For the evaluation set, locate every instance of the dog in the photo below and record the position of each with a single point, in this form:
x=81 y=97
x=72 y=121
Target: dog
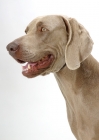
x=62 y=46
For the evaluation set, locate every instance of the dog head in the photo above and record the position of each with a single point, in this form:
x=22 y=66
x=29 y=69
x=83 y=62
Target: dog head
x=50 y=43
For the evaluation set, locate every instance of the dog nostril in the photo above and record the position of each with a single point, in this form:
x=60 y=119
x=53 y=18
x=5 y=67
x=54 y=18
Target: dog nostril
x=12 y=47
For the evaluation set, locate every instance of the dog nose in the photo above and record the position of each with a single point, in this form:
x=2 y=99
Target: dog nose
x=12 y=47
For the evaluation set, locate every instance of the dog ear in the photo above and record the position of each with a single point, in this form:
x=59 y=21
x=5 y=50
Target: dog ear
x=79 y=44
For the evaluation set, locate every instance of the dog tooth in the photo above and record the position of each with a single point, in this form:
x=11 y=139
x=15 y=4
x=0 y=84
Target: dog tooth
x=24 y=64
x=43 y=58
x=29 y=66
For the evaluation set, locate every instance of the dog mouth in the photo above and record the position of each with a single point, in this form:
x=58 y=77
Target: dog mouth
x=33 y=69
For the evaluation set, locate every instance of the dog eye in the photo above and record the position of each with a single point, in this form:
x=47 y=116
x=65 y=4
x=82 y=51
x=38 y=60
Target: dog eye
x=43 y=29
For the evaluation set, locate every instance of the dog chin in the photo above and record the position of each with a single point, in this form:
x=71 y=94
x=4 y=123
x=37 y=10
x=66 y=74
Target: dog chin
x=32 y=75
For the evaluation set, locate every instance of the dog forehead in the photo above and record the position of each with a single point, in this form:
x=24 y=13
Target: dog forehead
x=50 y=20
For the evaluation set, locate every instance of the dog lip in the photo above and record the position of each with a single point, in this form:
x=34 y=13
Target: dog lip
x=20 y=61
x=32 y=69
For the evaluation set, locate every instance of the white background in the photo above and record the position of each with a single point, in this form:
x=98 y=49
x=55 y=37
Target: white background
x=34 y=109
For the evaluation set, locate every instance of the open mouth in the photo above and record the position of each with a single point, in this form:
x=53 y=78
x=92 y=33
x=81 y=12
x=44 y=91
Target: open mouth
x=32 y=69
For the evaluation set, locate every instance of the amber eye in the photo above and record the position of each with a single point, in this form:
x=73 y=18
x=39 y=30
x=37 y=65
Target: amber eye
x=43 y=29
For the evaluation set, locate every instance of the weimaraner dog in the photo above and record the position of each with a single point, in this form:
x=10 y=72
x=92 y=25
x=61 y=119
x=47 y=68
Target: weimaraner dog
x=61 y=45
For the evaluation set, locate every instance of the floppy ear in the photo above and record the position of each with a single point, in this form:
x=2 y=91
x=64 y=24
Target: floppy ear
x=79 y=44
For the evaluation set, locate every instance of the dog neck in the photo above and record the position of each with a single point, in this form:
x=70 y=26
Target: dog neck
x=74 y=80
